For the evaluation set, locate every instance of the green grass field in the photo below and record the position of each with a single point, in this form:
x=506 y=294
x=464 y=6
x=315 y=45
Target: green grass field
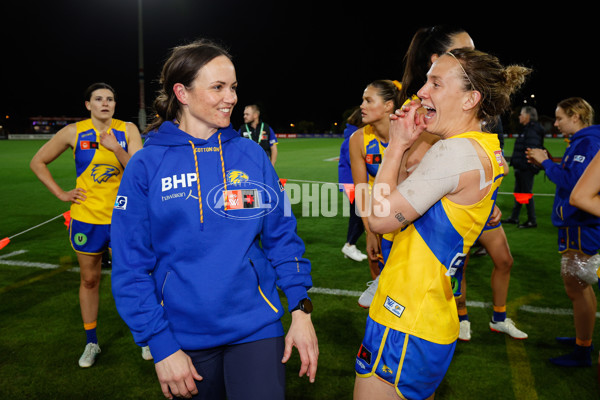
x=41 y=333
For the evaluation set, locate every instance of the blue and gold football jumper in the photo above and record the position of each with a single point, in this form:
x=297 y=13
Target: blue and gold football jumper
x=98 y=172
x=415 y=294
x=374 y=150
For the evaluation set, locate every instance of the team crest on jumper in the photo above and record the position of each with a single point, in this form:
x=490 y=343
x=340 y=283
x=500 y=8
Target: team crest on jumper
x=235 y=177
x=103 y=172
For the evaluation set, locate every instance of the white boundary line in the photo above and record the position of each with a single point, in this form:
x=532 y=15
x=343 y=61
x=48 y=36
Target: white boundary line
x=317 y=290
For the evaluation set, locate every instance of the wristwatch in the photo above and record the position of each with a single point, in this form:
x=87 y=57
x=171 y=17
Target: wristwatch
x=304 y=305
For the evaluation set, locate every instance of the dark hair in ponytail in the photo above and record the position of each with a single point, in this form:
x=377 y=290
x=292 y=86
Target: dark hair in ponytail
x=417 y=60
x=182 y=66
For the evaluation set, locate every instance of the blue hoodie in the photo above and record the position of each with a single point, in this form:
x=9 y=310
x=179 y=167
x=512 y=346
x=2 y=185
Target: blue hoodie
x=188 y=273
x=344 y=169
x=583 y=146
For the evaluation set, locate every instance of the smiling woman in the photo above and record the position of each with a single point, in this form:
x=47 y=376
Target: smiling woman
x=436 y=212
x=204 y=219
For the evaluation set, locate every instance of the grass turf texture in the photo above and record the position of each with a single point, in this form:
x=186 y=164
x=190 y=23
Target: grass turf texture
x=42 y=335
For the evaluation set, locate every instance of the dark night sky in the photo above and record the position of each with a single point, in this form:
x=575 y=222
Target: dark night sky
x=300 y=60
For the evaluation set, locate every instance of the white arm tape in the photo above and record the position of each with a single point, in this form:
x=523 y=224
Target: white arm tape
x=439 y=171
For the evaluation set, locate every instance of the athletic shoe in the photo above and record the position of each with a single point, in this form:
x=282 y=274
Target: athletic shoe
x=481 y=251
x=146 y=355
x=366 y=298
x=580 y=357
x=507 y=326
x=89 y=355
x=350 y=251
x=465 y=330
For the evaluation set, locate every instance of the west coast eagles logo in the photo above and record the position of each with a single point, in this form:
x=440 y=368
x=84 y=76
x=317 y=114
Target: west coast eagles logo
x=235 y=177
x=238 y=193
x=102 y=172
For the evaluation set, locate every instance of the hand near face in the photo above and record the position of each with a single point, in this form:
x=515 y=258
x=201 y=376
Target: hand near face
x=406 y=124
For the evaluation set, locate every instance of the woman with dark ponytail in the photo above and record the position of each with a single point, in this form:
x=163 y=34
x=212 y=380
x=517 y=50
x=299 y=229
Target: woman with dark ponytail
x=202 y=240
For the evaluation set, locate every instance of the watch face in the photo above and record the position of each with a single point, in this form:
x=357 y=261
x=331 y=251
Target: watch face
x=306 y=306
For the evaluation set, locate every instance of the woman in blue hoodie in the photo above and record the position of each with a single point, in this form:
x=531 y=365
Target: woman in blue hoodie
x=578 y=231
x=202 y=237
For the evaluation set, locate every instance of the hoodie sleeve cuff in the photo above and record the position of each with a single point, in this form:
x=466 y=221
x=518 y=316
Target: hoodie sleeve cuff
x=294 y=295
x=163 y=345
x=547 y=162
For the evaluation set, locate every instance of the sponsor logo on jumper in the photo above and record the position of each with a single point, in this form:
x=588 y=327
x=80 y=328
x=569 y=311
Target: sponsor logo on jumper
x=179 y=181
x=121 y=203
x=255 y=199
x=88 y=145
x=498 y=154
x=373 y=158
x=364 y=354
x=80 y=239
x=238 y=199
x=393 y=306
x=207 y=149
x=457 y=262
x=103 y=172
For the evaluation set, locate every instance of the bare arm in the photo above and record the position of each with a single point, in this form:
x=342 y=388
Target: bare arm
x=585 y=193
x=390 y=210
x=302 y=336
x=505 y=166
x=361 y=189
x=50 y=151
x=274 y=154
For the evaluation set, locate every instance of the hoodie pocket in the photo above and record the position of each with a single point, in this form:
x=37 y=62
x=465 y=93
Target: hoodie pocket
x=162 y=289
x=260 y=290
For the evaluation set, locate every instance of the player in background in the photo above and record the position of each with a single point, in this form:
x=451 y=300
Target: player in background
x=101 y=147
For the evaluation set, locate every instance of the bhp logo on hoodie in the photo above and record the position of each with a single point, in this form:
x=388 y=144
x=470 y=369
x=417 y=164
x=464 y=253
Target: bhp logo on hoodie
x=178 y=181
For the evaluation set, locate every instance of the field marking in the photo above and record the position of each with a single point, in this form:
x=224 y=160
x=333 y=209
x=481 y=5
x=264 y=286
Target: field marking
x=51 y=272
x=316 y=290
x=29 y=264
x=523 y=382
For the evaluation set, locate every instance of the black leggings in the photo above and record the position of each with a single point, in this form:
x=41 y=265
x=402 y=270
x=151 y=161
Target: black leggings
x=355 y=225
x=244 y=371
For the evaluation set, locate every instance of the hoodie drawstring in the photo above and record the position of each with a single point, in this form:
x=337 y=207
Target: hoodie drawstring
x=198 y=186
x=225 y=199
x=198 y=180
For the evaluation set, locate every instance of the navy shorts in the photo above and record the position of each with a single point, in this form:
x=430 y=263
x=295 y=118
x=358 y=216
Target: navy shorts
x=413 y=365
x=246 y=371
x=579 y=238
x=89 y=238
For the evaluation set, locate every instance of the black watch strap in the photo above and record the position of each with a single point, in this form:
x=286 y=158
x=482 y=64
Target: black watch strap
x=304 y=305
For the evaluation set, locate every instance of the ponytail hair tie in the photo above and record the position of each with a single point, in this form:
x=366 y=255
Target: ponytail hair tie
x=397 y=84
